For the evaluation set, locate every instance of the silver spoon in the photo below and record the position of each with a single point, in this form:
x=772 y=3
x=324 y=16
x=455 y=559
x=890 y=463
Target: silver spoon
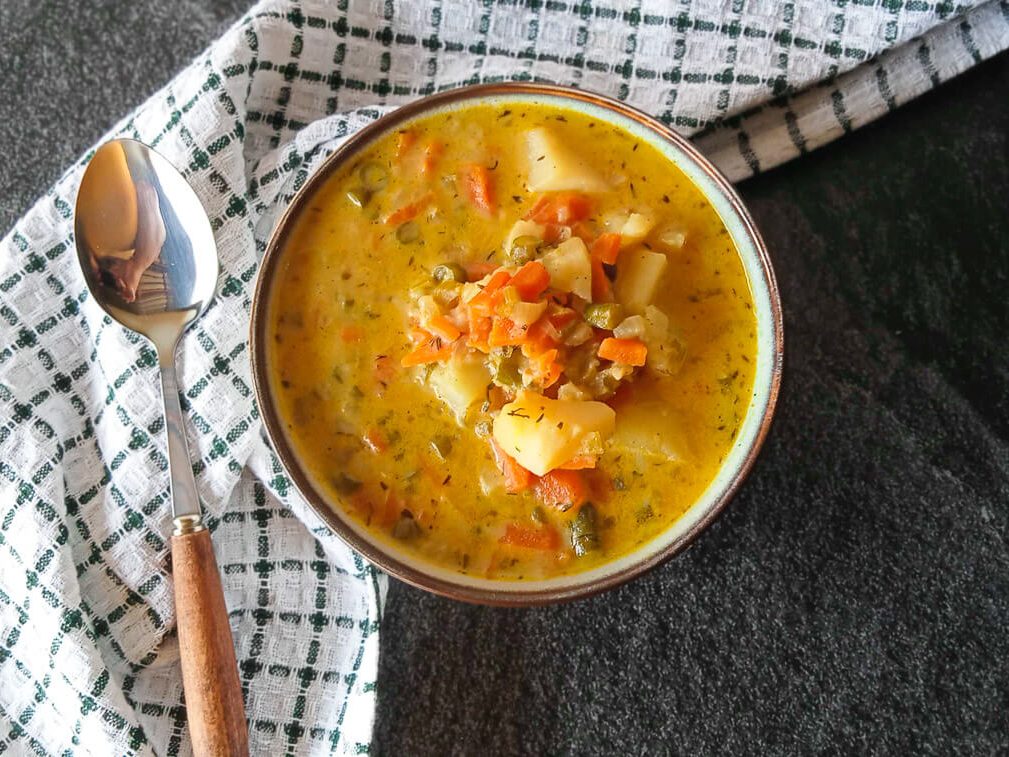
x=148 y=254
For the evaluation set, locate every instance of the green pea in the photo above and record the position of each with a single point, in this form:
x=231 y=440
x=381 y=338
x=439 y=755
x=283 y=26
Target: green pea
x=448 y=272
x=374 y=177
x=524 y=249
x=408 y=233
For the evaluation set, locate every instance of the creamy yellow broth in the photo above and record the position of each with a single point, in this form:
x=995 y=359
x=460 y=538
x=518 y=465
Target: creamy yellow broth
x=338 y=331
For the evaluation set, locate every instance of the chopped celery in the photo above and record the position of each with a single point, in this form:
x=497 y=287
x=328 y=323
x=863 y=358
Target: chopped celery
x=584 y=531
x=604 y=315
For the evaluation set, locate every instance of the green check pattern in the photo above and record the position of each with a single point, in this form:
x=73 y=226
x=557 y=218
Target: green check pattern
x=88 y=653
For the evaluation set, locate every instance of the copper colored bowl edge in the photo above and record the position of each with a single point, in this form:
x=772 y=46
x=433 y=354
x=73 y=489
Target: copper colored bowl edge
x=274 y=427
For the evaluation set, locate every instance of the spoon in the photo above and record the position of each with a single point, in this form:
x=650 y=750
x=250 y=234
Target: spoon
x=148 y=254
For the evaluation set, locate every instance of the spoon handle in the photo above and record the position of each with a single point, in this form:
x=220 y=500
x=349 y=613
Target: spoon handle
x=209 y=671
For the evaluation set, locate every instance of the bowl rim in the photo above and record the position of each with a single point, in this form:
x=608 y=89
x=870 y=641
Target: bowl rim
x=387 y=561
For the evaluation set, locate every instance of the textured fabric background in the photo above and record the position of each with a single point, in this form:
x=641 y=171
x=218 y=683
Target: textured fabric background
x=270 y=600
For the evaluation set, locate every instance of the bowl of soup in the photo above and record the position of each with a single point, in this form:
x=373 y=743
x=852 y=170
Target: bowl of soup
x=516 y=343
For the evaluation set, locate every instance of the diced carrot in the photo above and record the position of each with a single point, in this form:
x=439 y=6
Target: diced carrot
x=429 y=349
x=404 y=141
x=417 y=334
x=545 y=367
x=409 y=211
x=497 y=397
x=480 y=187
x=552 y=233
x=562 y=317
x=601 y=290
x=623 y=351
x=479 y=331
x=562 y=489
x=580 y=462
x=531 y=280
x=391 y=509
x=351 y=334
x=607 y=248
x=384 y=369
x=432 y=152
x=561 y=208
x=545 y=539
x=504 y=333
x=584 y=232
x=552 y=374
x=483 y=303
x=442 y=327
x=538 y=339
x=493 y=563
x=375 y=440
x=476 y=271
x=517 y=478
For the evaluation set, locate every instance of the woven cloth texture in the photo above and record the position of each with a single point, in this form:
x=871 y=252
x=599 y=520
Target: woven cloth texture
x=88 y=654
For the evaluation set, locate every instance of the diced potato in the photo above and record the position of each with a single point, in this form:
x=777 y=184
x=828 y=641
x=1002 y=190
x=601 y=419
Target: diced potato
x=666 y=350
x=541 y=433
x=523 y=229
x=638 y=275
x=460 y=384
x=555 y=167
x=651 y=430
x=657 y=322
x=635 y=228
x=570 y=268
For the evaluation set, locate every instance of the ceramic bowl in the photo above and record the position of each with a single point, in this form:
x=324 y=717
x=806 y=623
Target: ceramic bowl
x=738 y=462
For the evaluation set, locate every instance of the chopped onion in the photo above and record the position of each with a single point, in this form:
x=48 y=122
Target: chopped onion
x=527 y=313
x=579 y=334
x=673 y=237
x=571 y=391
x=631 y=328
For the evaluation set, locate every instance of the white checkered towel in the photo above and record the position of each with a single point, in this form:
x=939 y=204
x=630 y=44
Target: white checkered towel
x=88 y=654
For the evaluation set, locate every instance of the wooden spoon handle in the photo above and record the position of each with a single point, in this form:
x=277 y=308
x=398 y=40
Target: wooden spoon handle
x=209 y=671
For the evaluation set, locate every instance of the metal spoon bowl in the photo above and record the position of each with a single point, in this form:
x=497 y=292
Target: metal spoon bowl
x=148 y=255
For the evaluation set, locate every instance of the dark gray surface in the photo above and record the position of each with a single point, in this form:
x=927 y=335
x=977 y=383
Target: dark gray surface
x=855 y=596
x=70 y=70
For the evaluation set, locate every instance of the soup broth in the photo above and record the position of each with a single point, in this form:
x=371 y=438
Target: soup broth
x=511 y=340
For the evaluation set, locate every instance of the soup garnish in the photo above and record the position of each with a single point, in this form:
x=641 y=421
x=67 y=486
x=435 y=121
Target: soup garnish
x=512 y=340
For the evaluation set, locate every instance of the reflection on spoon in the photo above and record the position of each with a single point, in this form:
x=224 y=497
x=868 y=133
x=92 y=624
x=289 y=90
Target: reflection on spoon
x=124 y=274
x=135 y=233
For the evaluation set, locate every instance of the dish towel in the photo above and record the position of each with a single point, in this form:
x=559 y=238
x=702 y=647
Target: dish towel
x=88 y=653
